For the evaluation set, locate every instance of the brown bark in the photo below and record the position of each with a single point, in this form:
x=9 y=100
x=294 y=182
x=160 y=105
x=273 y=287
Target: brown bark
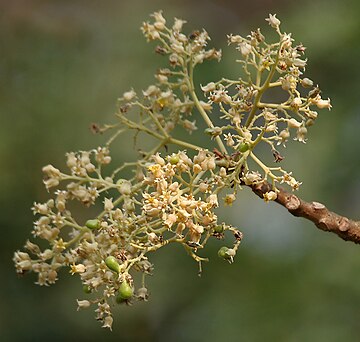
x=316 y=212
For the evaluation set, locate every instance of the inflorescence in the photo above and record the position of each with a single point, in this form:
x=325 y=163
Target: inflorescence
x=172 y=198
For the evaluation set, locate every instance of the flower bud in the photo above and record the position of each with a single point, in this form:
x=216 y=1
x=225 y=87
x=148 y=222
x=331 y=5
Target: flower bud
x=124 y=186
x=307 y=83
x=211 y=164
x=209 y=87
x=158 y=160
x=83 y=304
x=197 y=168
x=296 y=102
x=300 y=63
x=245 y=48
x=203 y=187
x=129 y=95
x=108 y=204
x=292 y=123
x=222 y=172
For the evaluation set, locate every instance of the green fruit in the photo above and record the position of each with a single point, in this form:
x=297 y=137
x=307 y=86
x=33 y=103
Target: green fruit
x=222 y=252
x=125 y=292
x=112 y=264
x=93 y=224
x=86 y=289
x=243 y=147
x=219 y=229
x=174 y=159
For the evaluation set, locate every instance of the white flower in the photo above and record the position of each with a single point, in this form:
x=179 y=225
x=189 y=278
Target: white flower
x=213 y=200
x=296 y=102
x=300 y=63
x=79 y=268
x=71 y=160
x=178 y=48
x=307 y=83
x=159 y=20
x=321 y=103
x=273 y=21
x=234 y=39
x=245 y=48
x=284 y=135
x=170 y=219
x=178 y=24
x=124 y=186
x=51 y=171
x=270 y=196
x=301 y=134
x=229 y=199
x=108 y=204
x=252 y=177
x=151 y=91
x=229 y=139
x=190 y=126
x=158 y=160
x=129 y=95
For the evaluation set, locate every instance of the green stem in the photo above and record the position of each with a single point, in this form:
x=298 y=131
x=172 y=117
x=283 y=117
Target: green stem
x=184 y=144
x=190 y=83
x=78 y=237
x=158 y=124
x=262 y=90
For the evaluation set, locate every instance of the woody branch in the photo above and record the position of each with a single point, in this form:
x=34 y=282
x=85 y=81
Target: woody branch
x=318 y=213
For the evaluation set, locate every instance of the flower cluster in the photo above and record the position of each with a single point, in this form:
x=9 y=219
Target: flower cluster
x=172 y=198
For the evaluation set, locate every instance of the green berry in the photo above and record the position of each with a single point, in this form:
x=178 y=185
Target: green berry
x=174 y=159
x=243 y=147
x=86 y=289
x=112 y=264
x=93 y=224
x=219 y=229
x=125 y=292
x=222 y=252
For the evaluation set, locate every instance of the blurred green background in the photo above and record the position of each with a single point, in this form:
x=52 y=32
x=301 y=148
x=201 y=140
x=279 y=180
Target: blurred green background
x=63 y=64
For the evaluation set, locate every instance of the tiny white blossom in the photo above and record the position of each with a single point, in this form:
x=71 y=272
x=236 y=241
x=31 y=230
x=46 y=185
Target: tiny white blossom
x=178 y=24
x=270 y=196
x=108 y=204
x=273 y=21
x=129 y=95
x=82 y=304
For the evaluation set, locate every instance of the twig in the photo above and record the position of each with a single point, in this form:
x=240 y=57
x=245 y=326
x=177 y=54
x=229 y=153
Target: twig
x=322 y=217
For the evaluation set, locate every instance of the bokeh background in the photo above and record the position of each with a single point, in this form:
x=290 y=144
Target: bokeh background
x=63 y=64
